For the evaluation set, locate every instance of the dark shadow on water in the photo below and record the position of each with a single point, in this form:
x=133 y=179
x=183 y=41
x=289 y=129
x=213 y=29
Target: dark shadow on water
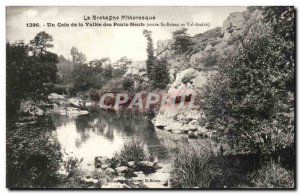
x=113 y=127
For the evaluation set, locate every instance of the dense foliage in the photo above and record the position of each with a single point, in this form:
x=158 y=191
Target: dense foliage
x=251 y=101
x=182 y=41
x=31 y=71
x=157 y=70
x=33 y=155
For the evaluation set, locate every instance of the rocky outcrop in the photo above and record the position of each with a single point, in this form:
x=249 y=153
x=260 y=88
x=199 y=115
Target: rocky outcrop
x=184 y=121
x=233 y=25
x=29 y=107
x=54 y=96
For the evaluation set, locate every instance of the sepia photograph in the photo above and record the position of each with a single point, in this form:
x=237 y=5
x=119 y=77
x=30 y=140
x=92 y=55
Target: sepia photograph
x=150 y=97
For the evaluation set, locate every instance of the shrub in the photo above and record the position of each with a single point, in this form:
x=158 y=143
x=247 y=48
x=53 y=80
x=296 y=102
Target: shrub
x=132 y=150
x=33 y=155
x=211 y=60
x=272 y=175
x=128 y=84
x=191 y=168
x=251 y=101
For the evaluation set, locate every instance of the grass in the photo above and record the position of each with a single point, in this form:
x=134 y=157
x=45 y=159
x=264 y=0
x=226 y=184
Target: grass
x=191 y=168
x=132 y=150
x=272 y=175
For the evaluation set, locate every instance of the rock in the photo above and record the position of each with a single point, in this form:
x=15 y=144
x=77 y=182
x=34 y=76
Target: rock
x=138 y=172
x=101 y=159
x=175 y=126
x=90 y=180
x=146 y=166
x=72 y=111
x=130 y=163
x=233 y=25
x=54 y=96
x=166 y=183
x=121 y=169
x=110 y=170
x=192 y=134
x=161 y=121
x=193 y=125
x=104 y=166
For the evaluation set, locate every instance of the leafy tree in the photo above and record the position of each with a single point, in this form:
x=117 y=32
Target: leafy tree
x=156 y=68
x=150 y=52
x=182 y=40
x=29 y=77
x=78 y=57
x=160 y=74
x=87 y=75
x=41 y=42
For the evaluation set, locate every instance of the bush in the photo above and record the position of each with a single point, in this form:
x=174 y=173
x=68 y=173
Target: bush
x=211 y=60
x=272 y=176
x=128 y=84
x=191 y=168
x=133 y=150
x=251 y=101
x=33 y=155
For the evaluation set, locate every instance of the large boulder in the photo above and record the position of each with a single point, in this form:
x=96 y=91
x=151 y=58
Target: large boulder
x=233 y=25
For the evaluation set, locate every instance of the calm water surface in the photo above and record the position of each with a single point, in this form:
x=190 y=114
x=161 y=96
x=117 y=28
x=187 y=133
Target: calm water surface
x=103 y=134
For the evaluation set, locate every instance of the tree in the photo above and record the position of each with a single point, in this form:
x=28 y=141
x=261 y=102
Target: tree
x=160 y=74
x=150 y=52
x=29 y=77
x=41 y=42
x=156 y=68
x=78 y=58
x=182 y=40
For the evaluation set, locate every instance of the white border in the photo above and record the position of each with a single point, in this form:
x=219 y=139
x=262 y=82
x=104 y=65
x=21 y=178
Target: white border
x=4 y=3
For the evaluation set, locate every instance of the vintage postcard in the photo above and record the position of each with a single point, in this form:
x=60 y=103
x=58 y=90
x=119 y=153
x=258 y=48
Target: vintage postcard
x=162 y=97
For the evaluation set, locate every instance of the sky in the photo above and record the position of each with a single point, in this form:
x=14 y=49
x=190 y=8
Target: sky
x=112 y=42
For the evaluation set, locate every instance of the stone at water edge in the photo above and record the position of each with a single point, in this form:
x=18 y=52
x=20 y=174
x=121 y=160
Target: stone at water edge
x=146 y=167
x=130 y=163
x=104 y=166
x=145 y=164
x=121 y=169
x=138 y=172
x=166 y=183
x=110 y=170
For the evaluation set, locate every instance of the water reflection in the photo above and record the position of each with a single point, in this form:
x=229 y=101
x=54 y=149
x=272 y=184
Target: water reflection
x=103 y=133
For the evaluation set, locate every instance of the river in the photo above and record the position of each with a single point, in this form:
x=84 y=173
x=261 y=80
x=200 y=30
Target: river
x=103 y=134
